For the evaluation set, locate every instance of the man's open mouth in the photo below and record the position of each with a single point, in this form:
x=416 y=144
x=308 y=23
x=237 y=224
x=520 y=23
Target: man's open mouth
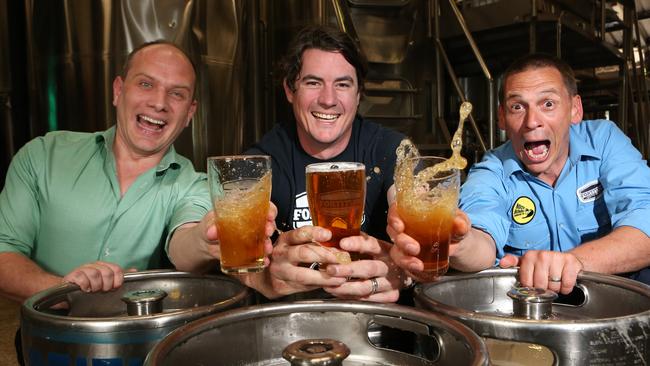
x=149 y=123
x=325 y=116
x=537 y=150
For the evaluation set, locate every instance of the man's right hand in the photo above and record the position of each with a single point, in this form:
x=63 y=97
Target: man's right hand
x=97 y=276
x=405 y=250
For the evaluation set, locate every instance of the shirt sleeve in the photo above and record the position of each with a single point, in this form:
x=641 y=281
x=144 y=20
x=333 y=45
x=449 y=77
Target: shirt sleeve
x=625 y=177
x=484 y=198
x=19 y=208
x=191 y=206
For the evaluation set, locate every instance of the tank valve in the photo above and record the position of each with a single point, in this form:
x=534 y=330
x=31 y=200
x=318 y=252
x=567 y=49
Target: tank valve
x=144 y=302
x=316 y=352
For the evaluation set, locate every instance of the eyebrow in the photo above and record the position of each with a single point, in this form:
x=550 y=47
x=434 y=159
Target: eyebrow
x=341 y=78
x=176 y=86
x=545 y=91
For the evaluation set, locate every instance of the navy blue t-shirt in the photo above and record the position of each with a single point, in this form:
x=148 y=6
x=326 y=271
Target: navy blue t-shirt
x=370 y=144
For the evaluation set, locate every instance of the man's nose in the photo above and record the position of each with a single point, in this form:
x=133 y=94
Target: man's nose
x=327 y=96
x=532 y=120
x=158 y=99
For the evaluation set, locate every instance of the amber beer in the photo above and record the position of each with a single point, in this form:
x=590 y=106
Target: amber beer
x=426 y=202
x=240 y=187
x=336 y=193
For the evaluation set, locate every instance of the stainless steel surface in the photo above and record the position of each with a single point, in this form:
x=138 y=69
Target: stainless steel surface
x=607 y=321
x=363 y=327
x=96 y=328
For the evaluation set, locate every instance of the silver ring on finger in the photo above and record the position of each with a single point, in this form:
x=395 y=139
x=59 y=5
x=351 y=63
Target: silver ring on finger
x=375 y=286
x=554 y=279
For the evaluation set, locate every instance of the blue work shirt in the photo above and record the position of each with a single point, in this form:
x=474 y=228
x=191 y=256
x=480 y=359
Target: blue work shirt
x=604 y=184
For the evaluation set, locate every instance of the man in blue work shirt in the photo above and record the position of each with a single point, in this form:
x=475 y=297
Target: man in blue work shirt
x=561 y=196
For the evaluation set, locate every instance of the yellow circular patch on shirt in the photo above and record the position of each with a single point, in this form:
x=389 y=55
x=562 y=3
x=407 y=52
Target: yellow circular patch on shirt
x=523 y=210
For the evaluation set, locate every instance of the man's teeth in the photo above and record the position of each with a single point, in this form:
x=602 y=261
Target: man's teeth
x=151 y=120
x=325 y=115
x=538 y=151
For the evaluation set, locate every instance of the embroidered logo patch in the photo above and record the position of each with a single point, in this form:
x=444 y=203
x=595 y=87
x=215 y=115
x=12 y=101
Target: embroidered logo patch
x=590 y=192
x=523 y=210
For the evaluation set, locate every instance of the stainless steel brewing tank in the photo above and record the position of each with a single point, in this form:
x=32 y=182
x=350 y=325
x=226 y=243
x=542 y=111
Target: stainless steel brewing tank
x=604 y=321
x=259 y=335
x=96 y=328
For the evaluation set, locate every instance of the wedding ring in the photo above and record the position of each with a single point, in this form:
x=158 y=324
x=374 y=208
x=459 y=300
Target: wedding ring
x=375 y=286
x=555 y=279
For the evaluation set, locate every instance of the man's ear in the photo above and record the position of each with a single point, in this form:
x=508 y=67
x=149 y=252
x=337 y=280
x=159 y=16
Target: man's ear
x=117 y=89
x=576 y=109
x=191 y=112
x=287 y=91
x=501 y=120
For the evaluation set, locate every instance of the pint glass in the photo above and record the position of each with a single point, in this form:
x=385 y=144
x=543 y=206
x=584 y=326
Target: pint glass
x=240 y=187
x=426 y=202
x=336 y=193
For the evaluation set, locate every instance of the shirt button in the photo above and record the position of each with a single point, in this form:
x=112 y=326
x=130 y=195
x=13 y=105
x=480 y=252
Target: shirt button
x=562 y=225
x=107 y=252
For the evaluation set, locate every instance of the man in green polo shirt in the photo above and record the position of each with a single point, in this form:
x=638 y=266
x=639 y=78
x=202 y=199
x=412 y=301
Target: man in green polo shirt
x=85 y=207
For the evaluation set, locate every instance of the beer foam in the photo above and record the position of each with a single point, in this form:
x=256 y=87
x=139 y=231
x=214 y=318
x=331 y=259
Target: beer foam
x=333 y=167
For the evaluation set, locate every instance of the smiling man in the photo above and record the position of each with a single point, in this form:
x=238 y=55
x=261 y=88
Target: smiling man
x=561 y=196
x=323 y=80
x=85 y=207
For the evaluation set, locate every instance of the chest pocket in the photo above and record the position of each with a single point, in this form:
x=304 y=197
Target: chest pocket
x=533 y=235
x=592 y=220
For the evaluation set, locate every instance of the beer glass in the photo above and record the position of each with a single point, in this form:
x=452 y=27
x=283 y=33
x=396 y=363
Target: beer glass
x=427 y=198
x=240 y=187
x=336 y=193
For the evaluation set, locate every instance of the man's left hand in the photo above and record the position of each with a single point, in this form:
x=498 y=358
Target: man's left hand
x=556 y=271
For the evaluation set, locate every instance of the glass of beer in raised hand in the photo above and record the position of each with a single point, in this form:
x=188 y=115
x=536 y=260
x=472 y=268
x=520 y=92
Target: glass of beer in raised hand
x=427 y=198
x=336 y=193
x=240 y=187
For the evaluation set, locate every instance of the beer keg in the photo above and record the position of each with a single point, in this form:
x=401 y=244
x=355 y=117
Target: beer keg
x=326 y=332
x=121 y=326
x=604 y=321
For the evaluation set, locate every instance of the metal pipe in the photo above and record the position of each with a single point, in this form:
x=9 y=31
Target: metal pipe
x=470 y=39
x=342 y=14
x=558 y=35
x=602 y=20
x=460 y=92
x=642 y=93
x=532 y=28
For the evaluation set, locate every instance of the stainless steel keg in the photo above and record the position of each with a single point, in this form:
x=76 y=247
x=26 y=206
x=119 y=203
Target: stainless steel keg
x=121 y=326
x=328 y=332
x=604 y=321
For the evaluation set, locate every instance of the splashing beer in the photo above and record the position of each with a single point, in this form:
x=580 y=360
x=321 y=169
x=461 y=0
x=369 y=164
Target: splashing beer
x=337 y=193
x=427 y=197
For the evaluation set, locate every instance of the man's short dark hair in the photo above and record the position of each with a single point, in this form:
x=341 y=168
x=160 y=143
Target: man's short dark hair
x=127 y=63
x=323 y=38
x=539 y=60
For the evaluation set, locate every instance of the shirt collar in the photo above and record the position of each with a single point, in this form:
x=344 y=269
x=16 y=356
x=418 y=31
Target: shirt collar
x=578 y=148
x=170 y=159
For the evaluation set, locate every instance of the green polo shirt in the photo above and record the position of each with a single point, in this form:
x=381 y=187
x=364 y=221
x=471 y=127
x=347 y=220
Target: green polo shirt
x=61 y=204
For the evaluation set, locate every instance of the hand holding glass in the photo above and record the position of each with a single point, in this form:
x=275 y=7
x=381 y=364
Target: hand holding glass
x=240 y=187
x=427 y=199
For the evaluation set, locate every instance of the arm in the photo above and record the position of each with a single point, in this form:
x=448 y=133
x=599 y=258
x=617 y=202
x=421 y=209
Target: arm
x=194 y=247
x=625 y=249
x=22 y=278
